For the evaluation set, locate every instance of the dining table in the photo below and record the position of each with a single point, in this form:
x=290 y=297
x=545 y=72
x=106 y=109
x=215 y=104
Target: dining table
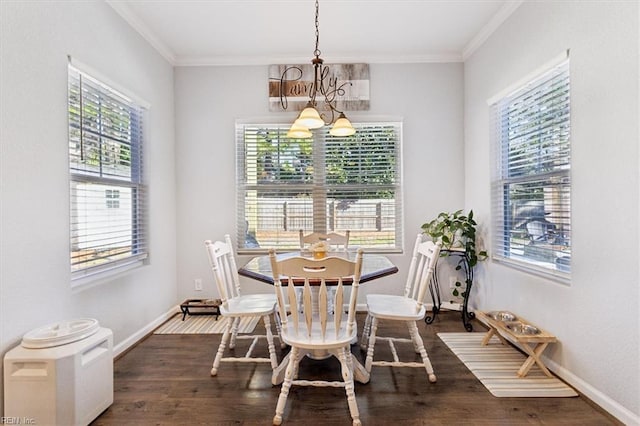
x=374 y=266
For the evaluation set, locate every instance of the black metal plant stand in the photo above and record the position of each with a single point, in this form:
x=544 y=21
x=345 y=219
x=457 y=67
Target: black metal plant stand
x=434 y=289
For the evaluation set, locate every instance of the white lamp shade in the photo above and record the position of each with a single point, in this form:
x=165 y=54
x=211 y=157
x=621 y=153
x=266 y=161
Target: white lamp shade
x=298 y=131
x=310 y=118
x=342 y=127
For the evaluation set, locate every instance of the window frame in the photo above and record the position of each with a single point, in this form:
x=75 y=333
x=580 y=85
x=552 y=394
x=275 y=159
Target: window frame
x=319 y=148
x=512 y=174
x=122 y=187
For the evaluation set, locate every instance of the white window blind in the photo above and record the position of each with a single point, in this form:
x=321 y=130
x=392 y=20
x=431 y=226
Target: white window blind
x=531 y=182
x=322 y=184
x=108 y=215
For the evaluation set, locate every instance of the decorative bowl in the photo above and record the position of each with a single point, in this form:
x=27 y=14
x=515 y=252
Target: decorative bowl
x=520 y=328
x=502 y=316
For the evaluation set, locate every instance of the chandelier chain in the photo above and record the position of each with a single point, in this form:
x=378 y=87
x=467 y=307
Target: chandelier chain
x=316 y=52
x=329 y=88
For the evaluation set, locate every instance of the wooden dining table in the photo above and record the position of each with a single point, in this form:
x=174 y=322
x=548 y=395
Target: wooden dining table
x=374 y=266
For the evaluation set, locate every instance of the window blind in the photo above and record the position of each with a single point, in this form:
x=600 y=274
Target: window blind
x=322 y=184
x=531 y=181
x=107 y=194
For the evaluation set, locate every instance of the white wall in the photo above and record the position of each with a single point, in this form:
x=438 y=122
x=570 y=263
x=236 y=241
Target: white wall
x=36 y=38
x=596 y=317
x=428 y=97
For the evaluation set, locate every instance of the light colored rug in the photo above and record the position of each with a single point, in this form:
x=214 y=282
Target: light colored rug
x=202 y=324
x=496 y=365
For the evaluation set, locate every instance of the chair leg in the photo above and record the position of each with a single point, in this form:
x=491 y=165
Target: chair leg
x=272 y=348
x=300 y=355
x=372 y=344
x=286 y=385
x=365 y=333
x=222 y=345
x=419 y=344
x=276 y=319
x=234 y=332
x=344 y=355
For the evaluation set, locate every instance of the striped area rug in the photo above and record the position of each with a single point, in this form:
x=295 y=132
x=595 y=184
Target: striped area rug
x=202 y=324
x=496 y=365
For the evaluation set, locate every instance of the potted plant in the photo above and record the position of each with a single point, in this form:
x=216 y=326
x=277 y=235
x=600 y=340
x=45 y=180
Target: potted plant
x=457 y=232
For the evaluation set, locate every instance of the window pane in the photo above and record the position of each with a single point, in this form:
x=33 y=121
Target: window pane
x=531 y=189
x=536 y=222
x=102 y=227
x=107 y=195
x=323 y=184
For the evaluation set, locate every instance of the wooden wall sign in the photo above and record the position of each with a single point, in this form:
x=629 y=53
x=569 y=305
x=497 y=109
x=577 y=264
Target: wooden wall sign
x=348 y=84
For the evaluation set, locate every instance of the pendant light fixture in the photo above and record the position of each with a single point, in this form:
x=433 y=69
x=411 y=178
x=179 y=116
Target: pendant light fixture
x=326 y=93
x=299 y=131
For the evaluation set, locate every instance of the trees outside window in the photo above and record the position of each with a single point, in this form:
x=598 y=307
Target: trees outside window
x=322 y=184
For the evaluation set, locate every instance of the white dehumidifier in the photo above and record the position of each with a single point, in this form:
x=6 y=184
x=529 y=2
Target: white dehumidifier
x=61 y=374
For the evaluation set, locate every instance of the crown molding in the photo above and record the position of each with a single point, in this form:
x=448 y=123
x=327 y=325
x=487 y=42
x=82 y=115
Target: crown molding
x=132 y=19
x=505 y=11
x=191 y=61
x=197 y=61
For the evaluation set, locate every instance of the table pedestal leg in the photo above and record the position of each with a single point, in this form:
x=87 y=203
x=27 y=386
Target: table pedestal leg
x=277 y=377
x=360 y=373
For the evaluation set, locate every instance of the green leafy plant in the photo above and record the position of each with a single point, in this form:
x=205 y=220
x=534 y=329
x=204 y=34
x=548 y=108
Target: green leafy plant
x=457 y=232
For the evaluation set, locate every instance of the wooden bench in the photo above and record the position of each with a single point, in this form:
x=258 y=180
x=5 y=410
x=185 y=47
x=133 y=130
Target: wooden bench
x=532 y=339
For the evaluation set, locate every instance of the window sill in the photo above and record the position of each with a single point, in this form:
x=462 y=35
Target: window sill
x=85 y=280
x=553 y=275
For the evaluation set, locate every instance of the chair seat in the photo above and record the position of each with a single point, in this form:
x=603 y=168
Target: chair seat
x=249 y=305
x=394 y=307
x=301 y=339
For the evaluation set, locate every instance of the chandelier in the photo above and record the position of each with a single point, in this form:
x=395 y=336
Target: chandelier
x=323 y=90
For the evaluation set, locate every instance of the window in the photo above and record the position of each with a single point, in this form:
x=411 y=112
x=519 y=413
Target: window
x=105 y=163
x=113 y=198
x=531 y=182
x=322 y=184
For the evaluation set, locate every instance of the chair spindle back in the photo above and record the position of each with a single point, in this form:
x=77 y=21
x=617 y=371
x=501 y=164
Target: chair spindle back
x=421 y=269
x=224 y=268
x=333 y=239
x=316 y=317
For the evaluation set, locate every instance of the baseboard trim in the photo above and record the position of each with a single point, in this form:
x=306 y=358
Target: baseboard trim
x=603 y=401
x=129 y=342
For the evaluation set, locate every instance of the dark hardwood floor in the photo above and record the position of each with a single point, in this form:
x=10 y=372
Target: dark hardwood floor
x=164 y=380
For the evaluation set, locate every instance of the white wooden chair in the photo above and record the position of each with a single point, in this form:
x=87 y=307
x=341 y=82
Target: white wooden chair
x=317 y=330
x=236 y=306
x=408 y=308
x=335 y=240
